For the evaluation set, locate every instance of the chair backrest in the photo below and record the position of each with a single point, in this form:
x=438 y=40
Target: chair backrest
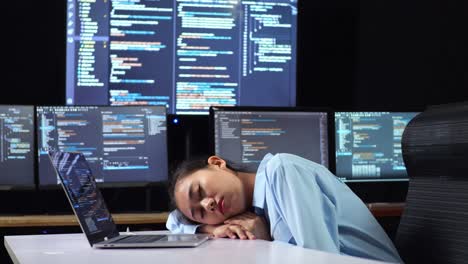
x=434 y=224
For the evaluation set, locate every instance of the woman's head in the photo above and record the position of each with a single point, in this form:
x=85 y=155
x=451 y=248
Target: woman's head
x=210 y=190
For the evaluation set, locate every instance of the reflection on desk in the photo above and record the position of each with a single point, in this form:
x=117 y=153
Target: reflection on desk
x=74 y=248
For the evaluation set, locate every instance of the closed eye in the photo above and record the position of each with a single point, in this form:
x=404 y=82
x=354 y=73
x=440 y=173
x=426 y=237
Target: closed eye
x=202 y=214
x=200 y=193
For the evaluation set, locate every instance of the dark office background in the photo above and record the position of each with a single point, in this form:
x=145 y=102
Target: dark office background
x=353 y=55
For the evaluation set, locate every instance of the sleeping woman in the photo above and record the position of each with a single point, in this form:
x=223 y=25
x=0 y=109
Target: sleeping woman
x=288 y=199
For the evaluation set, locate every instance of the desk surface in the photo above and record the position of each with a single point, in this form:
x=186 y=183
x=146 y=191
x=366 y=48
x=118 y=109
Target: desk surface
x=74 y=248
x=377 y=209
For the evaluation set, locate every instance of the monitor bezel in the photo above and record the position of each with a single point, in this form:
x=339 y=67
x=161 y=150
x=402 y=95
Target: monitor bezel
x=33 y=185
x=129 y=184
x=327 y=110
x=368 y=110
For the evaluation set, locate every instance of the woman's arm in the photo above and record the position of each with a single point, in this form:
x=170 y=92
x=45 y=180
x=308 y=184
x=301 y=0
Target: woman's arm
x=177 y=223
x=255 y=224
x=226 y=230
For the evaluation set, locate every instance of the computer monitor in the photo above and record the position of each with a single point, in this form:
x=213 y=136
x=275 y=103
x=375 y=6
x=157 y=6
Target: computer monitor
x=245 y=135
x=368 y=145
x=125 y=146
x=184 y=54
x=16 y=146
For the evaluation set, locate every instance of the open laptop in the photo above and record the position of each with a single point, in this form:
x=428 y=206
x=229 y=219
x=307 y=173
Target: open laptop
x=95 y=219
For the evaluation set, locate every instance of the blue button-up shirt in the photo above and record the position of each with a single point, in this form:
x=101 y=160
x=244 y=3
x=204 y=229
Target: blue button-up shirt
x=306 y=205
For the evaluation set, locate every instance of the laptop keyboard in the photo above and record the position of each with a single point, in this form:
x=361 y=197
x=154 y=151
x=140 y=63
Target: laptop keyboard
x=138 y=239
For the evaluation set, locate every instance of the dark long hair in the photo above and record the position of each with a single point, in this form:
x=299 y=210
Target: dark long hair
x=188 y=167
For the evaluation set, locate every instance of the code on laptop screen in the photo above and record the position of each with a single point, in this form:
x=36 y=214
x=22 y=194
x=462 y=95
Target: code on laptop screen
x=82 y=192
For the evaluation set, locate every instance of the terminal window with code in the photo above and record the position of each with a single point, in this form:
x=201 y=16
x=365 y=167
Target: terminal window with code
x=184 y=54
x=368 y=145
x=247 y=136
x=121 y=144
x=16 y=146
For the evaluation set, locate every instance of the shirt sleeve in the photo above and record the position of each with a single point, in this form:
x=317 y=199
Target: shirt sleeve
x=178 y=224
x=303 y=196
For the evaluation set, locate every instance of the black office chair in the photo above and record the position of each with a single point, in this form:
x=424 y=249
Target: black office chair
x=434 y=224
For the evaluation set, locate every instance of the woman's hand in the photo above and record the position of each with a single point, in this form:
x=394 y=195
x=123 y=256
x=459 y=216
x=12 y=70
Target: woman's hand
x=253 y=223
x=226 y=230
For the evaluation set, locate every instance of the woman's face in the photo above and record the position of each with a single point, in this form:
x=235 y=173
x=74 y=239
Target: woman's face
x=211 y=195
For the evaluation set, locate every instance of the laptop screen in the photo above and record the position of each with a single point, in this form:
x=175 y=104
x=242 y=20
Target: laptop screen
x=85 y=198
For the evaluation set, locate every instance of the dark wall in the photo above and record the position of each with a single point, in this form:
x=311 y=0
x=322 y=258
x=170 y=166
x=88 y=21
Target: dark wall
x=33 y=41
x=326 y=53
x=382 y=54
x=411 y=53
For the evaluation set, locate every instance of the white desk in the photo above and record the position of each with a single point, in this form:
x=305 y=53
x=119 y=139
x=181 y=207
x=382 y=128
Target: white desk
x=74 y=248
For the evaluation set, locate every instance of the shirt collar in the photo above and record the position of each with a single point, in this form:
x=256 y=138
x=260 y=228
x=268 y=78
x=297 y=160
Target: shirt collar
x=260 y=183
